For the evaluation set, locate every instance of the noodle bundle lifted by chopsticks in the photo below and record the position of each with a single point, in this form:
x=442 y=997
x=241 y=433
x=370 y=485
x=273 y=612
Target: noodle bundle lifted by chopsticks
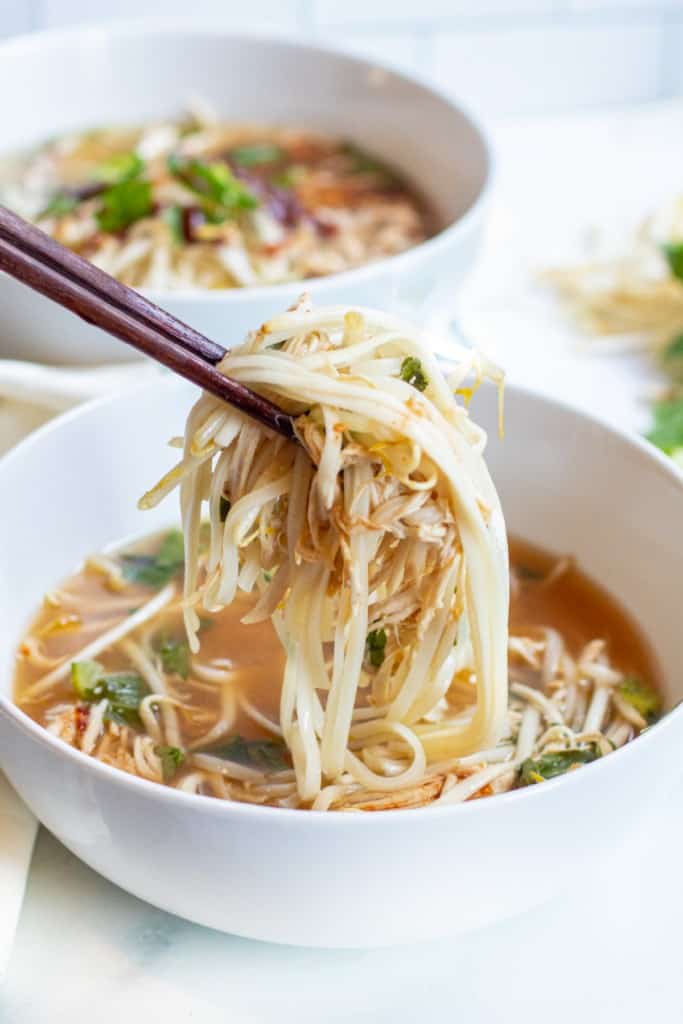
x=377 y=546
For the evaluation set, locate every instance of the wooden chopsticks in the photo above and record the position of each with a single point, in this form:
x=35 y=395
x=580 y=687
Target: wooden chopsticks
x=65 y=277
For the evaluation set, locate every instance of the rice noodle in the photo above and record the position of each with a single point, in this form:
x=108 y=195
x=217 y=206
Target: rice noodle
x=391 y=523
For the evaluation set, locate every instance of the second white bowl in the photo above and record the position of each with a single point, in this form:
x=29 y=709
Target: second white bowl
x=62 y=81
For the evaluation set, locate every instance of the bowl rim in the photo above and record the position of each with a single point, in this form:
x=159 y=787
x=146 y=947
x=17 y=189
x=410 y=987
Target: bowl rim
x=145 y=788
x=399 y=263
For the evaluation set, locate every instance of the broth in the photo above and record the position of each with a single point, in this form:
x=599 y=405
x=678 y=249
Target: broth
x=577 y=607
x=254 y=652
x=236 y=676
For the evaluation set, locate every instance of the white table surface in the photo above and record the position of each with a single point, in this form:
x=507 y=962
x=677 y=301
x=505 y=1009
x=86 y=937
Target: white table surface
x=86 y=951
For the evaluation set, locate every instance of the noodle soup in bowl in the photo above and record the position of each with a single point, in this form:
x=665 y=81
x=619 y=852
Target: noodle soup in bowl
x=411 y=147
x=567 y=483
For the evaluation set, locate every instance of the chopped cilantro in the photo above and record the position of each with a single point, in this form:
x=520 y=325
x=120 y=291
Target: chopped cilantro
x=376 y=644
x=290 y=176
x=642 y=697
x=223 y=194
x=363 y=163
x=84 y=675
x=412 y=373
x=175 y=656
x=267 y=755
x=667 y=430
x=119 y=168
x=123 y=690
x=171 y=759
x=548 y=766
x=60 y=204
x=671 y=362
x=123 y=204
x=173 y=218
x=674 y=350
x=673 y=253
x=256 y=154
x=156 y=570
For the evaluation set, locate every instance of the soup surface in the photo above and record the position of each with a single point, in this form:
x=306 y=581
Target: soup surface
x=106 y=667
x=196 y=203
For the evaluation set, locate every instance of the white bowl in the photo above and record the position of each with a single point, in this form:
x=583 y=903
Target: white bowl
x=567 y=482
x=61 y=81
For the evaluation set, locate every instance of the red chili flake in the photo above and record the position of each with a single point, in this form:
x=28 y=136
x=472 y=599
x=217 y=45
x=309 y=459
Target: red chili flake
x=272 y=249
x=82 y=716
x=283 y=204
x=192 y=218
x=324 y=228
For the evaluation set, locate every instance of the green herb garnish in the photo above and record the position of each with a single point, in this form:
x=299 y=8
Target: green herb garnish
x=376 y=644
x=549 y=766
x=673 y=253
x=119 y=168
x=363 y=163
x=171 y=759
x=412 y=373
x=123 y=204
x=667 y=431
x=123 y=690
x=290 y=176
x=674 y=350
x=257 y=154
x=671 y=359
x=267 y=755
x=175 y=656
x=60 y=204
x=84 y=675
x=642 y=697
x=173 y=218
x=156 y=570
x=222 y=193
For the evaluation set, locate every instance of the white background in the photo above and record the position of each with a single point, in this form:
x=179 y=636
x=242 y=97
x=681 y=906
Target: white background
x=501 y=56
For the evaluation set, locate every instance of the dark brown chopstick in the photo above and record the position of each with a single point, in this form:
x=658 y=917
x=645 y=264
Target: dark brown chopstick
x=61 y=275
